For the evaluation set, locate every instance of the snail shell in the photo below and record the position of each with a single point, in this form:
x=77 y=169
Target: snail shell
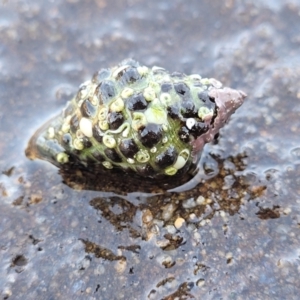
x=137 y=119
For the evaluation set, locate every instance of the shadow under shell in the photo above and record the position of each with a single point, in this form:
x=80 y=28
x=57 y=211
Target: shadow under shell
x=118 y=181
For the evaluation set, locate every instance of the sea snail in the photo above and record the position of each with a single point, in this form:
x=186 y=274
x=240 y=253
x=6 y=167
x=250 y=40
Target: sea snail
x=138 y=119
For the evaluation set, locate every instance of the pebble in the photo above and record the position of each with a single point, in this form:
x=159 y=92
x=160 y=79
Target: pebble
x=120 y=265
x=179 y=222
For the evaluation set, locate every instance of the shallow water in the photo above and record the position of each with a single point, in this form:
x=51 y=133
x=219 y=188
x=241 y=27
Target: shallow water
x=237 y=223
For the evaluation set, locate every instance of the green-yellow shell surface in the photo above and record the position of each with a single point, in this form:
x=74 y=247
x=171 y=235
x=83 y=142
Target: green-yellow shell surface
x=139 y=119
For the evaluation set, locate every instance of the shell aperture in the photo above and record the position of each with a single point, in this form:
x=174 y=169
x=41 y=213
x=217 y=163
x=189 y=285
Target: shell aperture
x=138 y=119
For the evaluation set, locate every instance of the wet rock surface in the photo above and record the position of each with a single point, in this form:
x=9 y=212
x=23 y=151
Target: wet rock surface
x=230 y=232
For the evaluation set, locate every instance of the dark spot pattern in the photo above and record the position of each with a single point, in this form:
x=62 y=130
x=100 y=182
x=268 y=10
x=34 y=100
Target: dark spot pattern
x=215 y=114
x=101 y=75
x=209 y=102
x=166 y=158
x=197 y=83
x=177 y=75
x=112 y=155
x=166 y=87
x=159 y=71
x=182 y=89
x=130 y=62
x=115 y=120
x=97 y=134
x=150 y=135
x=128 y=76
x=188 y=109
x=128 y=148
x=146 y=170
x=106 y=91
x=74 y=123
x=174 y=111
x=87 y=109
x=97 y=155
x=184 y=134
x=67 y=139
x=68 y=110
x=203 y=96
x=137 y=102
x=86 y=142
x=198 y=129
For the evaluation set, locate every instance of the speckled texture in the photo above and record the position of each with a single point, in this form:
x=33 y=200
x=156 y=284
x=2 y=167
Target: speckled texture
x=109 y=240
x=136 y=119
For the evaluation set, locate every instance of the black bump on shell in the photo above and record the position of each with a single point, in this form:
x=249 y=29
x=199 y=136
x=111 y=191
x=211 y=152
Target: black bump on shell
x=74 y=123
x=209 y=102
x=106 y=90
x=146 y=170
x=215 y=114
x=166 y=158
x=199 y=128
x=128 y=148
x=87 y=109
x=184 y=134
x=203 y=96
x=181 y=88
x=112 y=155
x=120 y=74
x=97 y=155
x=97 y=134
x=177 y=75
x=72 y=159
x=166 y=87
x=216 y=137
x=128 y=76
x=197 y=83
x=129 y=62
x=137 y=102
x=174 y=112
x=75 y=155
x=90 y=162
x=101 y=75
x=150 y=135
x=68 y=110
x=82 y=88
x=86 y=142
x=115 y=120
x=159 y=71
x=188 y=109
x=66 y=139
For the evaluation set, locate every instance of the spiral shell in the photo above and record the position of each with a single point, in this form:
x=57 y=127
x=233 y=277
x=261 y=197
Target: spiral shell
x=136 y=118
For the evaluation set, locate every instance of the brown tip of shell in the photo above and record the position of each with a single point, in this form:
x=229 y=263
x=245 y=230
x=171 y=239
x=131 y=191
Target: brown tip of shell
x=243 y=94
x=32 y=151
